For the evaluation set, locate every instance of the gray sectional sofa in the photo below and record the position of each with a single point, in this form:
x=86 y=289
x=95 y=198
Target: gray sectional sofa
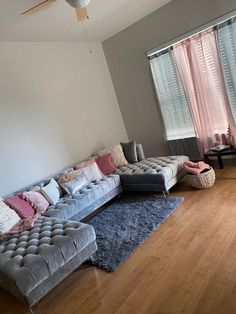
x=33 y=262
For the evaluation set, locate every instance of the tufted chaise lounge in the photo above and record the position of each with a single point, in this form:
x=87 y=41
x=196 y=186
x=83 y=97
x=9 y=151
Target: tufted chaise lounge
x=33 y=262
x=152 y=174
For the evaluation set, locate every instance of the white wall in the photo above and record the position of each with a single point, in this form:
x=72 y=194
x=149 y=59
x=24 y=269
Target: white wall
x=57 y=106
x=126 y=56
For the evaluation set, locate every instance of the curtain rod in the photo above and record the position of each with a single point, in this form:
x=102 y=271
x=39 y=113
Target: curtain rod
x=191 y=33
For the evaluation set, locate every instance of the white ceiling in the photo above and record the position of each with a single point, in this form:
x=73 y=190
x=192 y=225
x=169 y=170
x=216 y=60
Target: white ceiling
x=57 y=23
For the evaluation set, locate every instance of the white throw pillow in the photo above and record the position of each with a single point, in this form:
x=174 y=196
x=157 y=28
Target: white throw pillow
x=8 y=218
x=117 y=155
x=51 y=192
x=92 y=172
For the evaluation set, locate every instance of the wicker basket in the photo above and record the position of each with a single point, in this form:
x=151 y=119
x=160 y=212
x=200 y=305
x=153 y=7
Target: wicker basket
x=203 y=180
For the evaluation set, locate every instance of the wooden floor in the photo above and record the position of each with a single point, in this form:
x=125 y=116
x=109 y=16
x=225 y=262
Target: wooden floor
x=187 y=266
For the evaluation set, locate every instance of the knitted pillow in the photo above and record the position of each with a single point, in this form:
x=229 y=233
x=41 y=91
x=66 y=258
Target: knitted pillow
x=117 y=155
x=8 y=218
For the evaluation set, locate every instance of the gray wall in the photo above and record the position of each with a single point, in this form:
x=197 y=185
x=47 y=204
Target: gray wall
x=57 y=106
x=129 y=67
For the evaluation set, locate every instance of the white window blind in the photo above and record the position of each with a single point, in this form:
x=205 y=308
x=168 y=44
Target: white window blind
x=171 y=96
x=227 y=48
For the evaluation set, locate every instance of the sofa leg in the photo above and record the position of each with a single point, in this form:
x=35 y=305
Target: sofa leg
x=35 y=309
x=166 y=194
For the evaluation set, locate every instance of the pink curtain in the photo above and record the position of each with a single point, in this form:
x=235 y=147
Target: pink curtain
x=199 y=67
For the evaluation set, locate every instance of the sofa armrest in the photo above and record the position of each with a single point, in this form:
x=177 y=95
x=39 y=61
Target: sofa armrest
x=140 y=152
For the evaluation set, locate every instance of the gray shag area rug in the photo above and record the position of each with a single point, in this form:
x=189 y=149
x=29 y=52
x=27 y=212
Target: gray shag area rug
x=125 y=224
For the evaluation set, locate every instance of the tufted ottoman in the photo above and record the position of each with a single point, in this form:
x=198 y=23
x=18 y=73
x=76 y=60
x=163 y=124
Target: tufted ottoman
x=33 y=262
x=152 y=174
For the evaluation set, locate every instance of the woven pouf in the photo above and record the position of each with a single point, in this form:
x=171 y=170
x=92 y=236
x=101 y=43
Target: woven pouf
x=203 y=180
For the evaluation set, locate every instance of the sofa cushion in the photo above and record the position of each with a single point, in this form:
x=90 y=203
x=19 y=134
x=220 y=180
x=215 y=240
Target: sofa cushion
x=8 y=218
x=117 y=155
x=72 y=186
x=85 y=163
x=92 y=172
x=66 y=177
x=22 y=207
x=140 y=152
x=105 y=164
x=130 y=151
x=36 y=200
x=51 y=192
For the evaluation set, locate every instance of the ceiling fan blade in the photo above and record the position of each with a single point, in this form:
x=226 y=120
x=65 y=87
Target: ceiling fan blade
x=38 y=7
x=81 y=14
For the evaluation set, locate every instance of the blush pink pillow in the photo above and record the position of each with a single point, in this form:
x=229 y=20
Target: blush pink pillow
x=21 y=207
x=105 y=164
x=37 y=201
x=86 y=163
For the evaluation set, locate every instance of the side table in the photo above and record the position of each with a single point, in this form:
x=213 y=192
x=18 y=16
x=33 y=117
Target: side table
x=219 y=154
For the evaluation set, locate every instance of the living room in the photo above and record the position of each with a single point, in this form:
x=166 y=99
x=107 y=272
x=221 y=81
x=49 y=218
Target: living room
x=70 y=89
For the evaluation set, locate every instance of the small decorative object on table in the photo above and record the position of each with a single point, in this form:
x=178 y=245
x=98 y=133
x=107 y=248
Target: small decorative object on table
x=219 y=148
x=231 y=133
x=199 y=175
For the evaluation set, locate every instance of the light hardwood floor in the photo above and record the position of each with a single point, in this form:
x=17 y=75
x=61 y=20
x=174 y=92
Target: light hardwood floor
x=187 y=266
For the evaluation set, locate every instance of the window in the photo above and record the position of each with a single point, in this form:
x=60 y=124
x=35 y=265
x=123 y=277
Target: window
x=227 y=48
x=171 y=96
x=195 y=81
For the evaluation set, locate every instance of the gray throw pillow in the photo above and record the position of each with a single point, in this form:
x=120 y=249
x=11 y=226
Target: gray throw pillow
x=130 y=151
x=140 y=152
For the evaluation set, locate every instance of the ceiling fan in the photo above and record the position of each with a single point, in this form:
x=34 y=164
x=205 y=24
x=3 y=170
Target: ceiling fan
x=79 y=5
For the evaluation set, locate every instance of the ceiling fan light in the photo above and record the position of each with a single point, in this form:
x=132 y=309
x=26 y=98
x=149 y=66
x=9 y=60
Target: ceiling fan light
x=78 y=3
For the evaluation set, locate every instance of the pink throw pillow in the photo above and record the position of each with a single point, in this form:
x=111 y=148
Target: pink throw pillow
x=37 y=201
x=85 y=163
x=22 y=208
x=105 y=164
